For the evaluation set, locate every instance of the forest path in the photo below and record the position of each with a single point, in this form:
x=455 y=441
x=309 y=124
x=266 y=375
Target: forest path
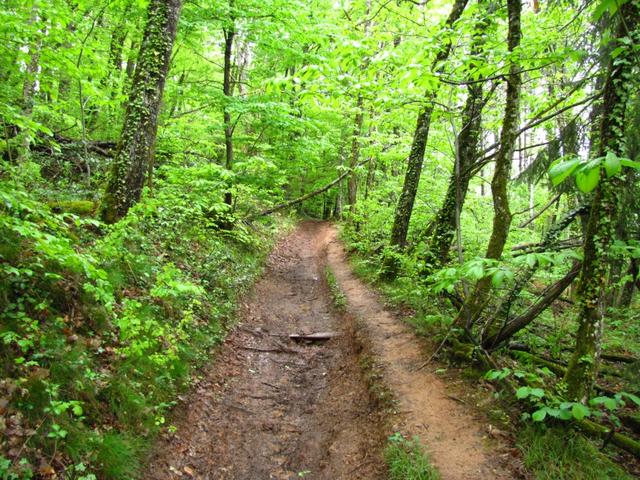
x=271 y=408
x=455 y=436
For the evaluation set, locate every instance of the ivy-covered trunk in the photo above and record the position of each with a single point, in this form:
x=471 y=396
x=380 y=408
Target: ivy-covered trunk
x=444 y=227
x=467 y=142
x=136 y=146
x=502 y=173
x=402 y=215
x=582 y=369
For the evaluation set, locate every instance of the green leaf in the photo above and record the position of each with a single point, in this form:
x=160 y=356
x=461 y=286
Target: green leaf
x=498 y=278
x=612 y=164
x=537 y=392
x=625 y=162
x=476 y=272
x=539 y=415
x=635 y=399
x=565 y=414
x=587 y=179
x=559 y=171
x=608 y=402
x=579 y=411
x=523 y=392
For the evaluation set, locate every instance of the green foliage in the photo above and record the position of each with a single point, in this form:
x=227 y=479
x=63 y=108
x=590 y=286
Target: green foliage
x=587 y=173
x=104 y=330
x=553 y=453
x=406 y=460
x=101 y=326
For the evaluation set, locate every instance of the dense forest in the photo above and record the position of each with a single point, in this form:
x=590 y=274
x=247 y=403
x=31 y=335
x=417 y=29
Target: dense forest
x=481 y=160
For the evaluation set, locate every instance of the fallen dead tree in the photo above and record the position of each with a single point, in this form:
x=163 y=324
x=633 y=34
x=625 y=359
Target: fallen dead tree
x=307 y=196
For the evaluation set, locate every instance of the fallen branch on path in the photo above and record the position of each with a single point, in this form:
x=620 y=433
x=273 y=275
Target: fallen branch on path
x=279 y=350
x=314 y=336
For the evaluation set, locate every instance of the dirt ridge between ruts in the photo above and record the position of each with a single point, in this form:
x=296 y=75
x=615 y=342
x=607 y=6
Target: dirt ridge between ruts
x=455 y=438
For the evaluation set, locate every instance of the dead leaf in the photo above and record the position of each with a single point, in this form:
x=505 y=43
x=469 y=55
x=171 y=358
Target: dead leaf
x=47 y=471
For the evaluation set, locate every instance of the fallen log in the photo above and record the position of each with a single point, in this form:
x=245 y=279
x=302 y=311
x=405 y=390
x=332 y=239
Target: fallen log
x=609 y=436
x=307 y=196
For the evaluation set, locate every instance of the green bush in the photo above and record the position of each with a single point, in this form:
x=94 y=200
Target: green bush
x=101 y=326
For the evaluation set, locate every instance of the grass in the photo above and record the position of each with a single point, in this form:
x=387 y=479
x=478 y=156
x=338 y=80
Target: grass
x=339 y=300
x=560 y=454
x=407 y=460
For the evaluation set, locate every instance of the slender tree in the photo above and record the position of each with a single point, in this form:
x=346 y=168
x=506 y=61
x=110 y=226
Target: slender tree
x=137 y=141
x=467 y=143
x=229 y=32
x=502 y=172
x=404 y=209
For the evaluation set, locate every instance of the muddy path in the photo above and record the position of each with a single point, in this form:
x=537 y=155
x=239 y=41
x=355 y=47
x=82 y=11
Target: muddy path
x=273 y=408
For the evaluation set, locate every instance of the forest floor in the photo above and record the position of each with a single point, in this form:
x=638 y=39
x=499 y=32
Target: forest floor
x=274 y=408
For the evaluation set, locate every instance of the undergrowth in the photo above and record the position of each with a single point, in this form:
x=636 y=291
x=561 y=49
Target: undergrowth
x=407 y=460
x=560 y=454
x=102 y=326
x=339 y=299
x=549 y=453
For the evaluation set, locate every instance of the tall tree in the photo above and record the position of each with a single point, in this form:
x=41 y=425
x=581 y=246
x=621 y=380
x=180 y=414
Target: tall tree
x=620 y=82
x=404 y=209
x=136 y=146
x=502 y=170
x=467 y=143
x=229 y=32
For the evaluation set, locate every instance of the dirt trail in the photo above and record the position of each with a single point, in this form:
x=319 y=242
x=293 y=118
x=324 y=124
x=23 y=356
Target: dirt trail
x=454 y=437
x=272 y=408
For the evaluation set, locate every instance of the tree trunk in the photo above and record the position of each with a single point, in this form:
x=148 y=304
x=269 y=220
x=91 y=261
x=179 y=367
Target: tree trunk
x=138 y=137
x=496 y=324
x=629 y=286
x=404 y=209
x=30 y=83
x=550 y=295
x=583 y=365
x=227 y=87
x=502 y=173
x=116 y=46
x=468 y=141
x=352 y=184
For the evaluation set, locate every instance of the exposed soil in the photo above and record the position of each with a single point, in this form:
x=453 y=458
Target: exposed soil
x=274 y=408
x=456 y=437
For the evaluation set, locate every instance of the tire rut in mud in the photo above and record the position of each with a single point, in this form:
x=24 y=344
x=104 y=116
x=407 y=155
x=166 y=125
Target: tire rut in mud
x=271 y=408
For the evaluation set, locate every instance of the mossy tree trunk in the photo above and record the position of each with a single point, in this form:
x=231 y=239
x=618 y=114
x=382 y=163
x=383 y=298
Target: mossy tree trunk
x=136 y=146
x=626 y=295
x=468 y=140
x=582 y=369
x=227 y=88
x=352 y=184
x=404 y=209
x=502 y=173
x=444 y=228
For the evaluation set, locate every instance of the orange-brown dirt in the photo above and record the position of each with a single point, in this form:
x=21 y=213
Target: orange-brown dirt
x=273 y=408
